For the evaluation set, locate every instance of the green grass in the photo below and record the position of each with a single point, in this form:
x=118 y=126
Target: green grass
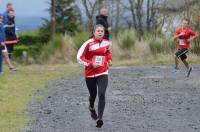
x=161 y=59
x=16 y=91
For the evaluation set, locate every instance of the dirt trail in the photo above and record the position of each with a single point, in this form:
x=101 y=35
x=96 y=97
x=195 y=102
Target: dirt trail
x=139 y=99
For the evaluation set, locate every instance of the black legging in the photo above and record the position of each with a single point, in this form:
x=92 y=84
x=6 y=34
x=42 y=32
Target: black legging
x=10 y=48
x=92 y=83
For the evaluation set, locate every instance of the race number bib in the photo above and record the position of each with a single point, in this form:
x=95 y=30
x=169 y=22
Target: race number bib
x=99 y=60
x=182 y=42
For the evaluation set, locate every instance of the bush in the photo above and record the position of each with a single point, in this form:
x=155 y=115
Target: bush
x=32 y=53
x=32 y=38
x=126 y=39
x=35 y=50
x=79 y=38
x=155 y=46
x=49 y=49
x=195 y=47
x=19 y=49
x=171 y=45
x=153 y=34
x=162 y=45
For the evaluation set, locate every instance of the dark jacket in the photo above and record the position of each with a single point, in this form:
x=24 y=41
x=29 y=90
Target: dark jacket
x=2 y=39
x=2 y=33
x=9 y=28
x=5 y=17
x=103 y=21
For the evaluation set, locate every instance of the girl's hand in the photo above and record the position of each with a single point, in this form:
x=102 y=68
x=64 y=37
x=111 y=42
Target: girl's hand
x=95 y=65
x=110 y=63
x=181 y=34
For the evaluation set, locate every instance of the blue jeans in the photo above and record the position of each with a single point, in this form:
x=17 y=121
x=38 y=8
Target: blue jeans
x=1 y=60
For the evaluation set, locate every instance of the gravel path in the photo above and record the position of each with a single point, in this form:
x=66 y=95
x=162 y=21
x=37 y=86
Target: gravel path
x=139 y=99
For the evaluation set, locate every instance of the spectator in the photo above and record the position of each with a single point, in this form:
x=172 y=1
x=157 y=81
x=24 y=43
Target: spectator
x=3 y=49
x=9 y=28
x=2 y=39
x=5 y=14
x=102 y=19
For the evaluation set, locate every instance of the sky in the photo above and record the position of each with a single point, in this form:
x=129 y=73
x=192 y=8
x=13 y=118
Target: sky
x=27 y=8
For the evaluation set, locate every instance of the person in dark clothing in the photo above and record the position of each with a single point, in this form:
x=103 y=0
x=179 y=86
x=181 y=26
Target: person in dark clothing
x=9 y=28
x=3 y=49
x=9 y=6
x=2 y=39
x=102 y=19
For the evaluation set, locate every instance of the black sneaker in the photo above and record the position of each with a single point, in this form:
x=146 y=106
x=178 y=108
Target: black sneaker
x=93 y=113
x=189 y=71
x=99 y=123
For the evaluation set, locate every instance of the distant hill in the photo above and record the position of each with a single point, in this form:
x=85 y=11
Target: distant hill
x=28 y=23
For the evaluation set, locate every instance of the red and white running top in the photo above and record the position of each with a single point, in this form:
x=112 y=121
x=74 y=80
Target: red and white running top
x=98 y=51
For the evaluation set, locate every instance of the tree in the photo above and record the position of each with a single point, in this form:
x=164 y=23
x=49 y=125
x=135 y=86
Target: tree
x=65 y=17
x=90 y=9
x=144 y=16
x=53 y=19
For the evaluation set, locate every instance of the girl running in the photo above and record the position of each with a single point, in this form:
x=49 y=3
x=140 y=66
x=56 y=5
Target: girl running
x=95 y=55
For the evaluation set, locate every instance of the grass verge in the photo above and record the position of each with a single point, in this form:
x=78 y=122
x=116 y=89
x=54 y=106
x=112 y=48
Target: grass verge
x=16 y=91
x=160 y=59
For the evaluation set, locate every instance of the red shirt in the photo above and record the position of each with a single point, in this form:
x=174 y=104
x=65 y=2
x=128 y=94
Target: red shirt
x=98 y=51
x=183 y=41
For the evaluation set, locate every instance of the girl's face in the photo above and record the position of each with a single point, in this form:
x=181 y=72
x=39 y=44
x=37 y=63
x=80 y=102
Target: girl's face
x=99 y=33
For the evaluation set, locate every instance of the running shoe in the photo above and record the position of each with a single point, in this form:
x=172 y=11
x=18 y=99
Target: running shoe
x=99 y=123
x=175 y=70
x=93 y=113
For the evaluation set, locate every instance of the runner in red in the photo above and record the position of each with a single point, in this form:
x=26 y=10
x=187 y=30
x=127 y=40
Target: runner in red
x=95 y=55
x=183 y=35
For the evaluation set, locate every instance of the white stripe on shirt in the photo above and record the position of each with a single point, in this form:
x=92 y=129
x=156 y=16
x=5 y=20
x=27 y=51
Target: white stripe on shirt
x=5 y=26
x=80 y=53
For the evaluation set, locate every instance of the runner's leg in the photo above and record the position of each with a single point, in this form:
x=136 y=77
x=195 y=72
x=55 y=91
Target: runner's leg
x=176 y=62
x=92 y=87
x=102 y=83
x=187 y=65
